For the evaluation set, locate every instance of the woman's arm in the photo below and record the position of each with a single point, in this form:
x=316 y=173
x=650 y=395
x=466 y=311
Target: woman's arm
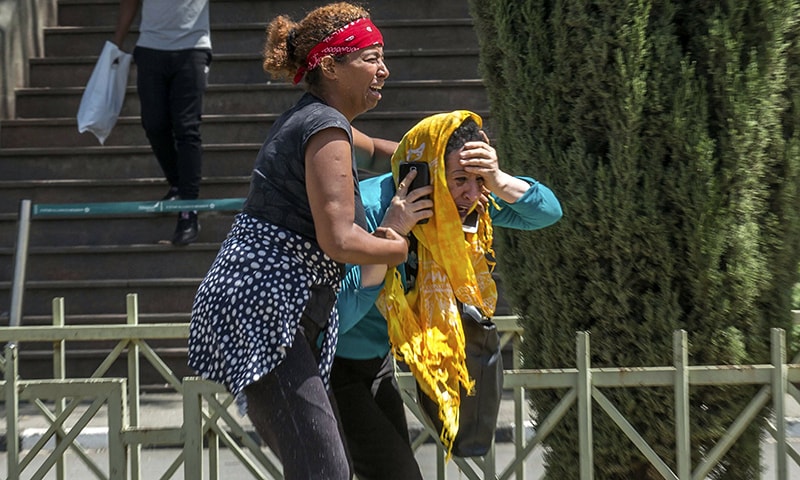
x=526 y=204
x=373 y=154
x=355 y=299
x=480 y=158
x=330 y=186
x=537 y=208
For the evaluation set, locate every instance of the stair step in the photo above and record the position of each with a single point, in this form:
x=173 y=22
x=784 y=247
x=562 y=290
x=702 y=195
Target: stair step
x=63 y=132
x=104 y=12
x=444 y=64
x=105 y=230
x=116 y=190
x=61 y=41
x=255 y=99
x=120 y=162
x=111 y=262
x=108 y=296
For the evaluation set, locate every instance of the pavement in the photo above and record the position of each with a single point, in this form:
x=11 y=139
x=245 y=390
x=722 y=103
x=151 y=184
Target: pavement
x=164 y=409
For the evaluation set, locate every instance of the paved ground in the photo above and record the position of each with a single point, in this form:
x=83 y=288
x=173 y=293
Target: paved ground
x=164 y=410
x=156 y=462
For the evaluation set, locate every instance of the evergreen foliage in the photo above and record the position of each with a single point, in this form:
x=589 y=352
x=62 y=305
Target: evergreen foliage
x=668 y=130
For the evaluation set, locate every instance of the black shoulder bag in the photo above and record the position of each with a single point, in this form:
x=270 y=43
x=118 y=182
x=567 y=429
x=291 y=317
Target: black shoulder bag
x=478 y=412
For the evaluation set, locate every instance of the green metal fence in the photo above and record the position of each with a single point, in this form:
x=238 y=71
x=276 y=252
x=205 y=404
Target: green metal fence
x=206 y=420
x=206 y=425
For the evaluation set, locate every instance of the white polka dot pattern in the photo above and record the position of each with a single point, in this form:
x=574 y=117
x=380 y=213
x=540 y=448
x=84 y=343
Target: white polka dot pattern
x=248 y=307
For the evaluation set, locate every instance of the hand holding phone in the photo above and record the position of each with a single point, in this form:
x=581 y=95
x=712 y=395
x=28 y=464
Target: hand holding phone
x=422 y=179
x=423 y=174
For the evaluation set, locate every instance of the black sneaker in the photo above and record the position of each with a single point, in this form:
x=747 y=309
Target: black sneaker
x=187 y=229
x=172 y=194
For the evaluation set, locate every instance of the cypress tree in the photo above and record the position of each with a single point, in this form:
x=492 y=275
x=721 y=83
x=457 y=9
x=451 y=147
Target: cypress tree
x=669 y=132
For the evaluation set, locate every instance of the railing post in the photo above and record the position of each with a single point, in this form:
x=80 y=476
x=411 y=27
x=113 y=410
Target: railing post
x=520 y=411
x=12 y=410
x=441 y=464
x=680 y=344
x=20 y=263
x=117 y=422
x=192 y=430
x=132 y=311
x=59 y=372
x=584 y=388
x=779 y=389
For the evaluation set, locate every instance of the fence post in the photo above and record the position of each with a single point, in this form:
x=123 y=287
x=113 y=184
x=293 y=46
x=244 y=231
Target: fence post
x=680 y=345
x=117 y=423
x=12 y=410
x=520 y=410
x=59 y=372
x=585 y=406
x=779 y=389
x=132 y=312
x=192 y=430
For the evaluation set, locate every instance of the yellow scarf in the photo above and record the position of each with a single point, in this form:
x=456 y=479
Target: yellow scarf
x=424 y=324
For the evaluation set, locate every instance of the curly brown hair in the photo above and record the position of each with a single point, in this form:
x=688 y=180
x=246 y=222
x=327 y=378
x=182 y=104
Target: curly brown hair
x=288 y=42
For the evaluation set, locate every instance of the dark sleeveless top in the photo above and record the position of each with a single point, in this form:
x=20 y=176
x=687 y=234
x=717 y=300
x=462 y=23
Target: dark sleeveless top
x=278 y=189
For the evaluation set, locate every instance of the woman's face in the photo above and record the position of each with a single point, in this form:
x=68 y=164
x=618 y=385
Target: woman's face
x=363 y=74
x=465 y=188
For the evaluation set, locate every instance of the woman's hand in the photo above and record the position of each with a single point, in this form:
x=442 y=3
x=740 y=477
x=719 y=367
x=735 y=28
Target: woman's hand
x=480 y=158
x=390 y=234
x=408 y=208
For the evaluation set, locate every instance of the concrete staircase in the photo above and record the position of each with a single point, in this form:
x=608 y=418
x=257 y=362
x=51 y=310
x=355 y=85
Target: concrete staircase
x=93 y=262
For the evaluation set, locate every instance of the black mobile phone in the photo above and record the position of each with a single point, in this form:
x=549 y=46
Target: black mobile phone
x=423 y=177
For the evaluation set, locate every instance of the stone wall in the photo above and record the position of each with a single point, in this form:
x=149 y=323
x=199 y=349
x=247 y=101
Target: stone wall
x=21 y=24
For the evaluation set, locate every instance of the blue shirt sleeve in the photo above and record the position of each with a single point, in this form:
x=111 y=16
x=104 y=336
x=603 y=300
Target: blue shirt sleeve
x=354 y=301
x=537 y=208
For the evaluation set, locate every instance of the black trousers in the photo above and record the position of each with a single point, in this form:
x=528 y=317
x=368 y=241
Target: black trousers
x=295 y=416
x=171 y=86
x=373 y=418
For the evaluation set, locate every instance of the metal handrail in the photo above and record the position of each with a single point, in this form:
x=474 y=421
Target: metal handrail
x=28 y=211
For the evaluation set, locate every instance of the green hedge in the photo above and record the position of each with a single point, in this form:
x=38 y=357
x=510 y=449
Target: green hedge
x=669 y=132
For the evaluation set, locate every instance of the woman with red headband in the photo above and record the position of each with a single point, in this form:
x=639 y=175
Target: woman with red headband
x=272 y=287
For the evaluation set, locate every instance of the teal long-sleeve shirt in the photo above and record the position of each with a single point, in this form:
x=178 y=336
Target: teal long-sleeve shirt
x=363 y=333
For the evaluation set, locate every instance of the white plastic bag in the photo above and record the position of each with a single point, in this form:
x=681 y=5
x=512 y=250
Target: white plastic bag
x=105 y=92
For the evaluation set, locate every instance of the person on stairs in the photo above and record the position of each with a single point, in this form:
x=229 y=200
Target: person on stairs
x=172 y=57
x=271 y=290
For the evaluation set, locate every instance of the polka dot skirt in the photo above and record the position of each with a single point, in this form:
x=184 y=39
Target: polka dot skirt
x=248 y=307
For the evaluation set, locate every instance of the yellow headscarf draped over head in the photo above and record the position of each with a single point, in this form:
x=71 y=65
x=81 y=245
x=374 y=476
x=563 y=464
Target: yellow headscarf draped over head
x=424 y=323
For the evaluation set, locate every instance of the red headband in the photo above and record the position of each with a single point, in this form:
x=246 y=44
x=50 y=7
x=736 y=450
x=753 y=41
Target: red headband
x=354 y=36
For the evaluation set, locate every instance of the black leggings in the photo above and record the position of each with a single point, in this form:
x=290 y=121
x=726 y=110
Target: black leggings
x=374 y=419
x=294 y=415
